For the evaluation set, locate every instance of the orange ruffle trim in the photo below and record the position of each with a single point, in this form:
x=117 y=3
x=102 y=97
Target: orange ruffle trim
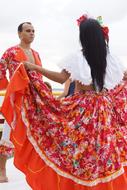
x=38 y=175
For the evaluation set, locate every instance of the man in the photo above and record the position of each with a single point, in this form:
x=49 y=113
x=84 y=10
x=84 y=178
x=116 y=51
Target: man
x=9 y=61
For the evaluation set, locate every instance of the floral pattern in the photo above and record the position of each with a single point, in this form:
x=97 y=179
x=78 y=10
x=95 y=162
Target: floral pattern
x=6 y=151
x=10 y=60
x=82 y=137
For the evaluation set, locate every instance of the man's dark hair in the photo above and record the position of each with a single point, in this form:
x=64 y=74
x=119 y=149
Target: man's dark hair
x=21 y=26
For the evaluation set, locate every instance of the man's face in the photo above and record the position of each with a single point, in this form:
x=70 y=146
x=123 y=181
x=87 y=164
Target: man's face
x=27 y=35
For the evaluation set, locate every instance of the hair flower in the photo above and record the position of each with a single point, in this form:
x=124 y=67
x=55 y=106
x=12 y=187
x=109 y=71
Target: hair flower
x=105 y=29
x=82 y=18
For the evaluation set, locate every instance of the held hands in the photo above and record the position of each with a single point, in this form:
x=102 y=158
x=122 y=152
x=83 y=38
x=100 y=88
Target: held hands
x=29 y=65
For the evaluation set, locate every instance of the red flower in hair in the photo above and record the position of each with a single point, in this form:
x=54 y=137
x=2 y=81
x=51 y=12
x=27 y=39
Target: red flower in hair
x=82 y=18
x=105 y=30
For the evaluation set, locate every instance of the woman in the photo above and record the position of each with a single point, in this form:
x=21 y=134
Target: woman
x=78 y=142
x=69 y=89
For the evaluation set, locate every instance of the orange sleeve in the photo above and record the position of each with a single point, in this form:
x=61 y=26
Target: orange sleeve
x=3 y=69
x=3 y=83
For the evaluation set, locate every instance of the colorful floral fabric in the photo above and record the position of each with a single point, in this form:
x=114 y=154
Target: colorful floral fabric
x=6 y=151
x=10 y=60
x=82 y=135
x=79 y=142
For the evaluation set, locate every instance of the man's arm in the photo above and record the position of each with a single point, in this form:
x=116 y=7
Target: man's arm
x=3 y=69
x=59 y=77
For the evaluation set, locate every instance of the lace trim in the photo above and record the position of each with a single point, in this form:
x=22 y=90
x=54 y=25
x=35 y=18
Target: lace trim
x=6 y=143
x=62 y=173
x=79 y=70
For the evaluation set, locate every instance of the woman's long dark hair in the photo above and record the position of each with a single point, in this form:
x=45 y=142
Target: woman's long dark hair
x=94 y=49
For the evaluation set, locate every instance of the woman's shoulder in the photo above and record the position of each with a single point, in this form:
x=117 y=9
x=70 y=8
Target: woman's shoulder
x=114 y=70
x=76 y=64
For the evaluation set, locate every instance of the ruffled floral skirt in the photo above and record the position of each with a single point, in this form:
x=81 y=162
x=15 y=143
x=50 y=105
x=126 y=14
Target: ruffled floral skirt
x=6 y=150
x=79 y=142
x=6 y=147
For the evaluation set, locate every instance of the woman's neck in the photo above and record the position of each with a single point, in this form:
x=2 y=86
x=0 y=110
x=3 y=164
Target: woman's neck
x=24 y=46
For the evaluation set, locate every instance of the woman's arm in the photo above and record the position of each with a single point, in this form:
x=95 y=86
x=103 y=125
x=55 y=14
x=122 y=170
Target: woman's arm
x=59 y=77
x=66 y=88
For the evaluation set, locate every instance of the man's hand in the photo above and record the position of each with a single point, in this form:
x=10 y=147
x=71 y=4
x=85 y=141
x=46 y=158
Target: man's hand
x=29 y=65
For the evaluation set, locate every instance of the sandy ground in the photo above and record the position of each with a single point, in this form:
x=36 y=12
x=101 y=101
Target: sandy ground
x=16 y=179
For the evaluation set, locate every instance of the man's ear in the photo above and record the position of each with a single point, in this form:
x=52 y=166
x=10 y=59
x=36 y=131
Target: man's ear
x=19 y=34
